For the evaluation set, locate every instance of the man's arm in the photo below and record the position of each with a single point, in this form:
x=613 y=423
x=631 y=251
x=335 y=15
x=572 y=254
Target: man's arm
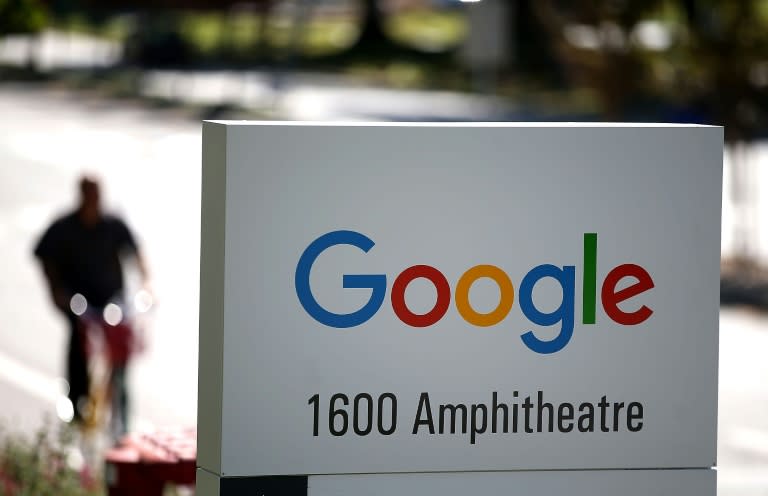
x=141 y=263
x=129 y=246
x=59 y=295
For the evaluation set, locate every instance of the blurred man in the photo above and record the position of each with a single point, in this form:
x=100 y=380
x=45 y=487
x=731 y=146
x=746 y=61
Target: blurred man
x=81 y=255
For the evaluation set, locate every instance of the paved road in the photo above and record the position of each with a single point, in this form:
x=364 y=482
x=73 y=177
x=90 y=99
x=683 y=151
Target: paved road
x=151 y=166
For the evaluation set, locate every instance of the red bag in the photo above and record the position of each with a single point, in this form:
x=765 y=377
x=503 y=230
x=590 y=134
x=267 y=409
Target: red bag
x=121 y=342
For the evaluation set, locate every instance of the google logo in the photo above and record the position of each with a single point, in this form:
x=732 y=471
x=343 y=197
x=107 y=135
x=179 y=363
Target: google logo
x=612 y=293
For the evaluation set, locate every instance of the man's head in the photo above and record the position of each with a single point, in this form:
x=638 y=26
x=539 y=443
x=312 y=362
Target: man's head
x=90 y=200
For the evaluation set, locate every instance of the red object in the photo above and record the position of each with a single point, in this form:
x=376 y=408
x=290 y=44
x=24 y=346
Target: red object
x=145 y=463
x=611 y=297
x=120 y=342
x=8 y=486
x=398 y=295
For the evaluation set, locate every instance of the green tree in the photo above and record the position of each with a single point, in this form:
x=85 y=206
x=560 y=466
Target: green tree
x=21 y=16
x=593 y=43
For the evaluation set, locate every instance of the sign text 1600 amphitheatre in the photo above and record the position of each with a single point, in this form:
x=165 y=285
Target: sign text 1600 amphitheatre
x=514 y=414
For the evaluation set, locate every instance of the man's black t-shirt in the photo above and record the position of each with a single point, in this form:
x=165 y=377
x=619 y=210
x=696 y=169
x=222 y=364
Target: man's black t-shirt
x=87 y=258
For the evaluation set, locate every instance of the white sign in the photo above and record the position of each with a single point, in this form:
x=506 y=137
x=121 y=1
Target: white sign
x=432 y=298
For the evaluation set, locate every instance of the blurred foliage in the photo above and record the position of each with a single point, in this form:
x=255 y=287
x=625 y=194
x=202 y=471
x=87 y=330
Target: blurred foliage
x=243 y=31
x=40 y=466
x=675 y=60
x=428 y=30
x=113 y=27
x=723 y=59
x=705 y=58
x=593 y=43
x=21 y=16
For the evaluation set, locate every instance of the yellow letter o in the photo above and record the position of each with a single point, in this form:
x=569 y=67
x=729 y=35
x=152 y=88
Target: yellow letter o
x=506 y=293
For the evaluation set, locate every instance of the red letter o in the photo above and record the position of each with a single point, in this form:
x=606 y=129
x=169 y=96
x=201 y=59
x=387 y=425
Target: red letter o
x=398 y=296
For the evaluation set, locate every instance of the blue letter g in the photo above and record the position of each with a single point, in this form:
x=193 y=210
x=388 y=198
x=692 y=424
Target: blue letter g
x=376 y=282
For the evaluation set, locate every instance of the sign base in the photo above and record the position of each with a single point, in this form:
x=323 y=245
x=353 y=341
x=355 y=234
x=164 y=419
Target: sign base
x=681 y=482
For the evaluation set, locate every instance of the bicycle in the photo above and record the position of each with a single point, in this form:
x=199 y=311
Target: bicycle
x=111 y=335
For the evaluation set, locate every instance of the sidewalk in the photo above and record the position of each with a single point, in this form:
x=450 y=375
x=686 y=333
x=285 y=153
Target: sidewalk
x=310 y=96
x=743 y=404
x=24 y=412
